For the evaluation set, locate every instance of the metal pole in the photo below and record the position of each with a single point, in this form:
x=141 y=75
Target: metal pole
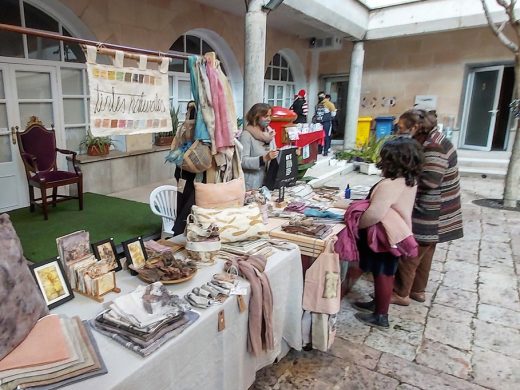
x=58 y=37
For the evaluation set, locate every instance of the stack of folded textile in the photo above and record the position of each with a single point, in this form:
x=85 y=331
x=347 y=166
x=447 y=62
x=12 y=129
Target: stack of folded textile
x=145 y=319
x=58 y=351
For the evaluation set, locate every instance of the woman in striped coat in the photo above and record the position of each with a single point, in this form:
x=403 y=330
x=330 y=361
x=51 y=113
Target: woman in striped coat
x=437 y=215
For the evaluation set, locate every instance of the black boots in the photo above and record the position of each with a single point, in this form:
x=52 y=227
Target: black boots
x=367 y=307
x=372 y=319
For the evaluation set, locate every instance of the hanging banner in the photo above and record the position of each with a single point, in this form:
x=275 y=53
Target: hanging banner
x=125 y=100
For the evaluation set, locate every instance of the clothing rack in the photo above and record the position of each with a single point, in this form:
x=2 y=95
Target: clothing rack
x=103 y=47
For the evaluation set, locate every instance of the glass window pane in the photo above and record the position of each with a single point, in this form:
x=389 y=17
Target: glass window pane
x=41 y=48
x=5 y=148
x=270 y=92
x=2 y=93
x=184 y=90
x=206 y=47
x=71 y=81
x=170 y=84
x=284 y=62
x=276 y=74
x=183 y=108
x=176 y=65
x=267 y=75
x=11 y=44
x=270 y=102
x=290 y=76
x=279 y=92
x=193 y=44
x=276 y=60
x=74 y=136
x=3 y=116
x=33 y=85
x=74 y=111
x=178 y=45
x=284 y=75
x=42 y=110
x=72 y=51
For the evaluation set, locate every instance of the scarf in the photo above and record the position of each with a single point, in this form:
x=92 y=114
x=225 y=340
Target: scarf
x=260 y=135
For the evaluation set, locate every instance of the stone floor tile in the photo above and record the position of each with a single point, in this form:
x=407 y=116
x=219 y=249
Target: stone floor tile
x=463 y=255
x=404 y=386
x=497 y=338
x=429 y=298
x=363 y=379
x=451 y=333
x=460 y=299
x=389 y=343
x=499 y=296
x=461 y=280
x=450 y=314
x=502 y=280
x=499 y=315
x=416 y=312
x=435 y=275
x=461 y=266
x=444 y=358
x=349 y=328
x=420 y=376
x=495 y=370
x=437 y=266
x=359 y=354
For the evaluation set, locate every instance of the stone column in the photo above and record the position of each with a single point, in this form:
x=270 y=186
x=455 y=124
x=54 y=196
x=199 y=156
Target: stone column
x=312 y=92
x=354 y=95
x=256 y=20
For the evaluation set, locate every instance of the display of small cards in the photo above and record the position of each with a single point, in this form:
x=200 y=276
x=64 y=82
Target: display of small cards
x=73 y=247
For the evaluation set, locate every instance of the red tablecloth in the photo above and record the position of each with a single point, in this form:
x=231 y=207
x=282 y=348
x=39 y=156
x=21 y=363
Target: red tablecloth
x=308 y=138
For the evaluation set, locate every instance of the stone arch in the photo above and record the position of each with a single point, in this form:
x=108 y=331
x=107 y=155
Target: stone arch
x=226 y=55
x=295 y=65
x=66 y=16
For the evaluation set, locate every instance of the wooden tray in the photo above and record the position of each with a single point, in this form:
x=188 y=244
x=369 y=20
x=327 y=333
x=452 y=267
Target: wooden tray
x=175 y=281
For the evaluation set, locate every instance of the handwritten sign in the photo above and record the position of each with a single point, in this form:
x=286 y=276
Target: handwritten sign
x=126 y=101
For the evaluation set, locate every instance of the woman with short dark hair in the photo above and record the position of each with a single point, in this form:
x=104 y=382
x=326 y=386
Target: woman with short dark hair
x=401 y=163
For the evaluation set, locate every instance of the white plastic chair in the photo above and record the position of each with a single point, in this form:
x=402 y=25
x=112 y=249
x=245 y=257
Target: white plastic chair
x=163 y=202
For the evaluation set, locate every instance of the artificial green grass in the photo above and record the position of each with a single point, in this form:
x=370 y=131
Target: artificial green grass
x=102 y=216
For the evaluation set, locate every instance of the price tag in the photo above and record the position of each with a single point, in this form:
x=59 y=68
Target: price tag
x=221 y=321
x=181 y=183
x=241 y=303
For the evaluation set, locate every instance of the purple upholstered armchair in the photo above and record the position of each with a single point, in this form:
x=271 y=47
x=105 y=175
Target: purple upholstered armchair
x=38 y=149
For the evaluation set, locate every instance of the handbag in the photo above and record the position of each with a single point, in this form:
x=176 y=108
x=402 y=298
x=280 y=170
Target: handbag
x=322 y=289
x=197 y=158
x=235 y=224
x=220 y=195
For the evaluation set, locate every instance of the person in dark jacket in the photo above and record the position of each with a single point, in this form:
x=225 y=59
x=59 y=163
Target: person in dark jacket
x=437 y=215
x=300 y=107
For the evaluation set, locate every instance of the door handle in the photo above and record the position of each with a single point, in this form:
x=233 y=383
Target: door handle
x=14 y=130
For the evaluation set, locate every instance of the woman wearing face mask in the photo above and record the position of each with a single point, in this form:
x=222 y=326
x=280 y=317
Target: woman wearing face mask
x=259 y=146
x=437 y=215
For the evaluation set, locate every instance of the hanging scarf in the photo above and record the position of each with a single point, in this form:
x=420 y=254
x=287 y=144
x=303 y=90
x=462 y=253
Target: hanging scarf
x=201 y=131
x=260 y=135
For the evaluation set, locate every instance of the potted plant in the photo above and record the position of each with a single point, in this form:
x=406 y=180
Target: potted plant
x=96 y=146
x=165 y=138
x=370 y=155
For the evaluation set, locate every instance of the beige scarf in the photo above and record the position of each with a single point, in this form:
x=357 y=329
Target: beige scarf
x=260 y=135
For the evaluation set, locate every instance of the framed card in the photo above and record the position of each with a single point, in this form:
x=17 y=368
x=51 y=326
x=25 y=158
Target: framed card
x=52 y=281
x=105 y=283
x=135 y=252
x=106 y=250
x=74 y=247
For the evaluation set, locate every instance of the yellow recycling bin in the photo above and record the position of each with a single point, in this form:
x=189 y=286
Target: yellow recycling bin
x=363 y=130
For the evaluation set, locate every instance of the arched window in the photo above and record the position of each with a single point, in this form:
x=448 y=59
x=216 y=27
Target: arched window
x=21 y=13
x=180 y=89
x=279 y=87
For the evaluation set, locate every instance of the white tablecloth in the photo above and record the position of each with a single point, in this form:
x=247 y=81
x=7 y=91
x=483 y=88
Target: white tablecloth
x=201 y=357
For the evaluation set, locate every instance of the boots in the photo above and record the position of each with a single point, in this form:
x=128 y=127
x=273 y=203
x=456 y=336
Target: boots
x=418 y=296
x=367 y=307
x=372 y=319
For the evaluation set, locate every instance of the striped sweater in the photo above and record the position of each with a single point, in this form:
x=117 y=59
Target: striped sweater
x=437 y=215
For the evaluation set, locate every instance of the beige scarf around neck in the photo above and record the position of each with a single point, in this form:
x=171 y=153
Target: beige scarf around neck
x=259 y=135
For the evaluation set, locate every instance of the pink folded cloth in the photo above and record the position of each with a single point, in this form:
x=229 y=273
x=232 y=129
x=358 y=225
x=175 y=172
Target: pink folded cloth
x=156 y=247
x=45 y=343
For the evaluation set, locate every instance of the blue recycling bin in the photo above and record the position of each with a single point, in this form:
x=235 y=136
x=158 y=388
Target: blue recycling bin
x=384 y=126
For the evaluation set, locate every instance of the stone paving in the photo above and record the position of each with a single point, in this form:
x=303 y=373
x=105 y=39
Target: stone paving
x=465 y=336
